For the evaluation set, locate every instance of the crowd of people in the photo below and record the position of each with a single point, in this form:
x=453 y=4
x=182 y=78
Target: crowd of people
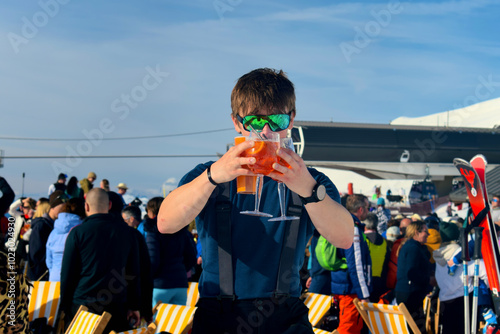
x=109 y=257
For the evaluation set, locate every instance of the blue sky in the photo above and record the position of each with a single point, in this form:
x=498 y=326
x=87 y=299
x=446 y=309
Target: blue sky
x=72 y=69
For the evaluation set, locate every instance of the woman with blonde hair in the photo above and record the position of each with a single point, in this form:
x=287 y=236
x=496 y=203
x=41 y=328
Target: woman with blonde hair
x=42 y=209
x=414 y=270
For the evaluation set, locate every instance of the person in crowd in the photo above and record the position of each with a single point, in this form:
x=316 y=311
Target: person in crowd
x=6 y=200
x=100 y=253
x=132 y=216
x=320 y=278
x=41 y=229
x=72 y=213
x=495 y=209
x=356 y=280
x=88 y=183
x=451 y=287
x=392 y=234
x=59 y=185
x=146 y=278
x=392 y=266
x=168 y=254
x=104 y=184
x=383 y=214
x=14 y=303
x=263 y=99
x=72 y=189
x=434 y=239
x=22 y=210
x=379 y=253
x=122 y=189
x=414 y=271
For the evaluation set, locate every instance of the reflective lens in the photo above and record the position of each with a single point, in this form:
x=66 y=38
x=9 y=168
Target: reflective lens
x=276 y=122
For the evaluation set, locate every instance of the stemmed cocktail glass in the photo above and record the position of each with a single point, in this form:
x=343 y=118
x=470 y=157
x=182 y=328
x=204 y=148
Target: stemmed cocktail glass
x=285 y=143
x=264 y=152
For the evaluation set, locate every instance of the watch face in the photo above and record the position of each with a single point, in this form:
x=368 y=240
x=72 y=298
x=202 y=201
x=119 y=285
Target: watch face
x=321 y=192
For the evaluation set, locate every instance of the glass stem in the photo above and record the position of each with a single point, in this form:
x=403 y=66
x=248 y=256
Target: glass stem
x=281 y=195
x=258 y=191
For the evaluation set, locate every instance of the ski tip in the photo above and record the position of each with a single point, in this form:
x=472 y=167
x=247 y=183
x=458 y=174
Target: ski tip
x=460 y=161
x=479 y=157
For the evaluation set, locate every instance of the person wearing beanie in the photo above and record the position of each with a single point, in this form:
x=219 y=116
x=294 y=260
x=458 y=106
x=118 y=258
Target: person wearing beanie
x=393 y=233
x=88 y=183
x=434 y=239
x=450 y=283
x=41 y=228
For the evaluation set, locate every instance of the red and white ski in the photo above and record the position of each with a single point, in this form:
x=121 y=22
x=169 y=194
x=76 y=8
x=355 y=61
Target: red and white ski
x=474 y=177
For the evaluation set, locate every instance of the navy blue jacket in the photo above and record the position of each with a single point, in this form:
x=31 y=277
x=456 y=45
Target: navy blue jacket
x=414 y=268
x=171 y=256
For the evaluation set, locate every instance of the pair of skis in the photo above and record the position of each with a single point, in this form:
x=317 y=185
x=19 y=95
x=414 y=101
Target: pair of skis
x=475 y=183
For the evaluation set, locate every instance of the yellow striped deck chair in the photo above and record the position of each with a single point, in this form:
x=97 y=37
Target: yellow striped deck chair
x=192 y=294
x=44 y=301
x=174 y=319
x=386 y=319
x=151 y=329
x=318 y=305
x=86 y=322
x=322 y=331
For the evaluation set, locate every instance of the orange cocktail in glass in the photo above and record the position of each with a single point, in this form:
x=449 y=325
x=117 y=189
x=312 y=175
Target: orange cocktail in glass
x=264 y=151
x=245 y=184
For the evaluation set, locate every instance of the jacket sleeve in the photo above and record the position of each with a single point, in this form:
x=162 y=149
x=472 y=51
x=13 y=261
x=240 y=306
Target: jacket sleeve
x=13 y=209
x=7 y=195
x=414 y=262
x=357 y=267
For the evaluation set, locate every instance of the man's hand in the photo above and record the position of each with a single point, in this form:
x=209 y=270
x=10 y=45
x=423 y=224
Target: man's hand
x=297 y=178
x=229 y=166
x=134 y=318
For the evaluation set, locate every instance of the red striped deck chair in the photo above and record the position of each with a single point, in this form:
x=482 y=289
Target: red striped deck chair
x=192 y=294
x=174 y=319
x=86 y=322
x=318 y=305
x=151 y=329
x=386 y=319
x=44 y=301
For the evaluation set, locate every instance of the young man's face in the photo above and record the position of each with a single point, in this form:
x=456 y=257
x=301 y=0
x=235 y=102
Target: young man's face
x=495 y=202
x=283 y=133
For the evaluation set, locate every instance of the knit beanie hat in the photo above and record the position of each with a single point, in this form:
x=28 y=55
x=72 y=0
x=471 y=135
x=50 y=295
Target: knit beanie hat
x=449 y=232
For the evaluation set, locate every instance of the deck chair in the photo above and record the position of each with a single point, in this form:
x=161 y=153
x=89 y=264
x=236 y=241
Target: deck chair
x=192 y=294
x=318 y=305
x=44 y=301
x=151 y=329
x=322 y=331
x=386 y=319
x=85 y=322
x=174 y=319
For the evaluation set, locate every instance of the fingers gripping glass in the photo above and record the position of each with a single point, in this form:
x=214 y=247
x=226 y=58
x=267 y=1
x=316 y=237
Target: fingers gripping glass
x=276 y=122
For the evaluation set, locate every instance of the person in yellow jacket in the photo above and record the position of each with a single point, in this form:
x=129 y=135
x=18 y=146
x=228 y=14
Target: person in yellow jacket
x=379 y=253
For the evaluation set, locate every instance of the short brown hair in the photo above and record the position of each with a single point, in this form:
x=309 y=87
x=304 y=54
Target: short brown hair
x=263 y=88
x=154 y=205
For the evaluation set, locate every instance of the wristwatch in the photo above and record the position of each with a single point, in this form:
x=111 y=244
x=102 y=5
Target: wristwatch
x=318 y=194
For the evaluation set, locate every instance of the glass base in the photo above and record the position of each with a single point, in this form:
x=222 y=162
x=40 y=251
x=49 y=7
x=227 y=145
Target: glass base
x=284 y=218
x=256 y=213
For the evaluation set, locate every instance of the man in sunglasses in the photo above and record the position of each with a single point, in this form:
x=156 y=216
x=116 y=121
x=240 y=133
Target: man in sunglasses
x=245 y=298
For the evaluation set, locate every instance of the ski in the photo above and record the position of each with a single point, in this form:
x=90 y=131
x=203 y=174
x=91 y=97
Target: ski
x=478 y=199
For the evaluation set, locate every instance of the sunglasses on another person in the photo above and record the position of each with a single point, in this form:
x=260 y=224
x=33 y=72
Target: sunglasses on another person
x=276 y=122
